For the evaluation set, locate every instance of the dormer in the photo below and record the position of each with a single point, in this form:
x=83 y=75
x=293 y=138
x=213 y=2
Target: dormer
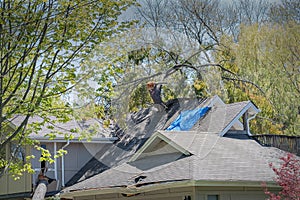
x=157 y=145
x=228 y=118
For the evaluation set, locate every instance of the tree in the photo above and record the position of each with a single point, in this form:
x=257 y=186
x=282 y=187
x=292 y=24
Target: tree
x=288 y=178
x=42 y=46
x=122 y=66
x=266 y=55
x=197 y=50
x=287 y=11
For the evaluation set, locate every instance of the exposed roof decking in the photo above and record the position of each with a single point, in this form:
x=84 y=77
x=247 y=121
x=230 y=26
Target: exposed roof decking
x=140 y=127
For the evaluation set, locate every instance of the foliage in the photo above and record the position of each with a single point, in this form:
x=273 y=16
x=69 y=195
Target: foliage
x=122 y=66
x=140 y=98
x=42 y=46
x=270 y=61
x=288 y=178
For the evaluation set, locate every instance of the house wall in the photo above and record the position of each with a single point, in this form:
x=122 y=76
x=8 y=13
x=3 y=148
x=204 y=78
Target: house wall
x=78 y=155
x=164 y=194
x=8 y=185
x=230 y=193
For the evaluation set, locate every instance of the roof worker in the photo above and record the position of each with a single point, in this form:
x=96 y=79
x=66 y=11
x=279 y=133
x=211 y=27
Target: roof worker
x=155 y=93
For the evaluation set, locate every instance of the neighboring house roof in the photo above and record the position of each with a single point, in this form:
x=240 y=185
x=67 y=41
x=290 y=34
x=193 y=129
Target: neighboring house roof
x=201 y=157
x=73 y=127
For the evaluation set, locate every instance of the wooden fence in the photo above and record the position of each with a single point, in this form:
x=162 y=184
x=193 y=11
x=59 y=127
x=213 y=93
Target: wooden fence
x=283 y=142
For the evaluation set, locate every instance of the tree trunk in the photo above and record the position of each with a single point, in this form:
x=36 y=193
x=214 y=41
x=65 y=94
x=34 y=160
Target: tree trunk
x=40 y=191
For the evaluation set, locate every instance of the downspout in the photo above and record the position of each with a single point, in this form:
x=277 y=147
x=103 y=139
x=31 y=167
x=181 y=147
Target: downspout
x=63 y=165
x=55 y=164
x=248 y=127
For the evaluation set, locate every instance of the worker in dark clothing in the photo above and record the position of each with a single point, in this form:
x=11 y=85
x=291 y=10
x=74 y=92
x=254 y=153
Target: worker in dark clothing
x=155 y=93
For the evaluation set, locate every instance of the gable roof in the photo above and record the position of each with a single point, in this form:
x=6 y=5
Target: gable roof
x=221 y=118
x=154 y=143
x=212 y=158
x=144 y=123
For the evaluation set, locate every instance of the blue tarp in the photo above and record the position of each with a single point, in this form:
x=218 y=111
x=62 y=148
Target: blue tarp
x=187 y=119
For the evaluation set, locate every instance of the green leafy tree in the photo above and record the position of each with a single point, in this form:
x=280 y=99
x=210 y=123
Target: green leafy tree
x=268 y=56
x=197 y=50
x=42 y=46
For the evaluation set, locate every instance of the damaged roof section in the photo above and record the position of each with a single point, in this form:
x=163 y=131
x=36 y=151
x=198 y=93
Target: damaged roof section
x=143 y=124
x=139 y=127
x=208 y=157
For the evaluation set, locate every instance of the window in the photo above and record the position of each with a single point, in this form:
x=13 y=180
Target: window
x=212 y=197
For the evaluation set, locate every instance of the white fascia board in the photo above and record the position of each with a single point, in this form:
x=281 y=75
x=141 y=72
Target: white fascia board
x=255 y=108
x=163 y=138
x=175 y=145
x=144 y=147
x=168 y=185
x=216 y=99
x=247 y=107
x=76 y=140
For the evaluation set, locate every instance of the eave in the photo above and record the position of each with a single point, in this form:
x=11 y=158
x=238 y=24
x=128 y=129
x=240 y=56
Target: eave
x=105 y=140
x=165 y=185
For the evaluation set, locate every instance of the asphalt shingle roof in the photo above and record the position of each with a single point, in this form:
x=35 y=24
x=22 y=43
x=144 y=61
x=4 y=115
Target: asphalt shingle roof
x=139 y=127
x=213 y=158
x=68 y=127
x=220 y=117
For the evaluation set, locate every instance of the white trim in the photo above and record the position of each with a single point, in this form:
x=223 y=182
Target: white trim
x=159 y=135
x=216 y=99
x=160 y=186
x=63 y=165
x=143 y=148
x=55 y=164
x=175 y=145
x=248 y=126
x=48 y=169
x=249 y=105
x=94 y=140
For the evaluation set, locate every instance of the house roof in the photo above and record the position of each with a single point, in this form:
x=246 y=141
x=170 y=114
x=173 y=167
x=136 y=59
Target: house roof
x=139 y=127
x=211 y=158
x=208 y=152
x=72 y=127
x=223 y=117
x=146 y=155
